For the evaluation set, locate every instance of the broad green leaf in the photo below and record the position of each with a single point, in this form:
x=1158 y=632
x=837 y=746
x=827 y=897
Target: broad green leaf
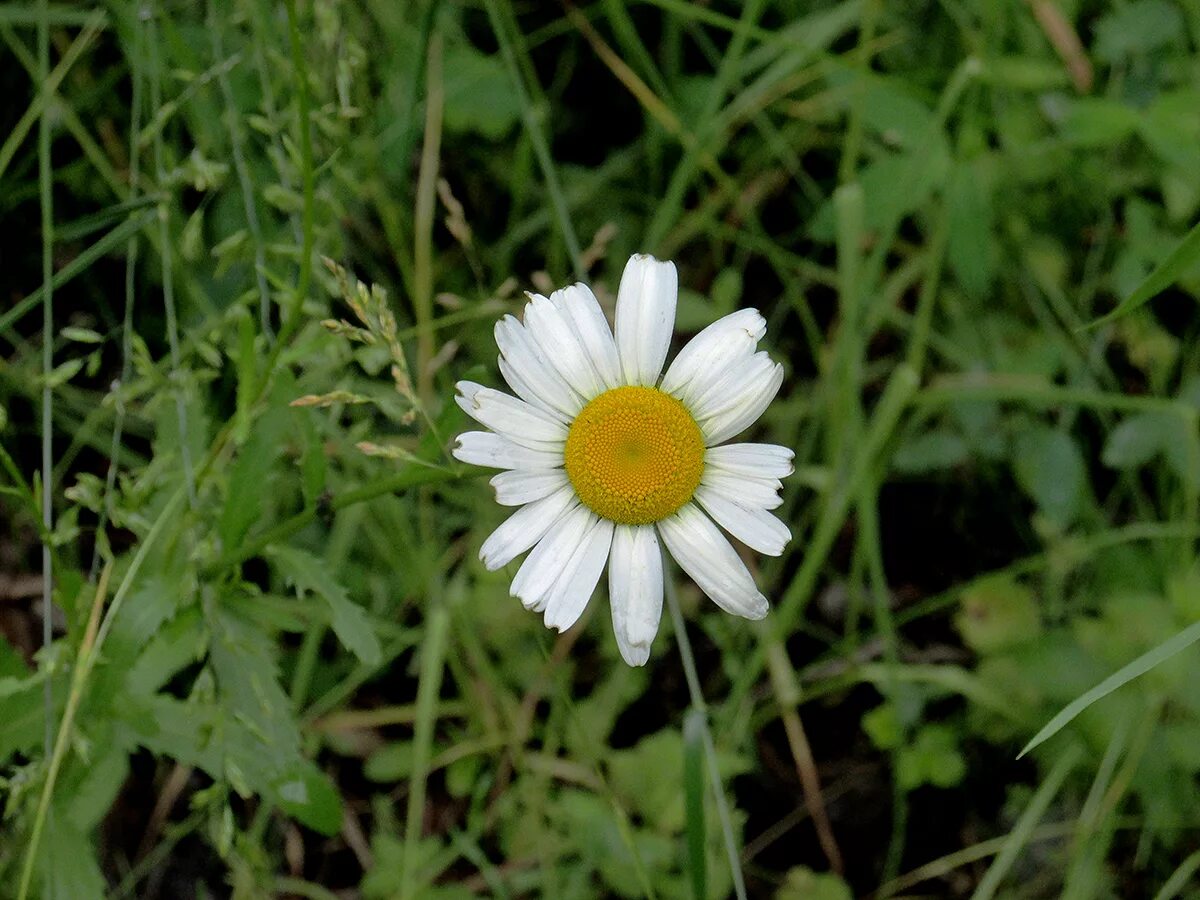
x=1136 y=440
x=996 y=613
x=250 y=475
x=1098 y=122
x=21 y=711
x=390 y=763
x=970 y=240
x=802 y=883
x=67 y=859
x=1050 y=468
x=930 y=452
x=933 y=758
x=92 y=798
x=1136 y=29
x=307 y=794
x=479 y=94
x=350 y=623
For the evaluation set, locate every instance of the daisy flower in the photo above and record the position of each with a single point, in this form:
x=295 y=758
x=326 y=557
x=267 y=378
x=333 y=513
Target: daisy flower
x=604 y=458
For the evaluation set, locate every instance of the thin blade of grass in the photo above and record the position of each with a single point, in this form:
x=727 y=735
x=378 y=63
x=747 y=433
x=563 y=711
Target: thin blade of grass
x=1121 y=677
x=501 y=25
x=1023 y=832
x=429 y=686
x=78 y=265
x=1185 y=255
x=49 y=84
x=693 y=788
x=1179 y=879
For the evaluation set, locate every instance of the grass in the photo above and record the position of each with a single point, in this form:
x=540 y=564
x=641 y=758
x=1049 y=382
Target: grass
x=271 y=236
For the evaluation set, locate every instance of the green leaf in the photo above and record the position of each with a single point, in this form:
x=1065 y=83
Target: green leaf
x=310 y=575
x=802 y=883
x=22 y=714
x=997 y=612
x=933 y=758
x=479 y=96
x=68 y=862
x=1135 y=441
x=1137 y=28
x=92 y=798
x=1051 y=469
x=1185 y=255
x=1121 y=677
x=930 y=452
x=1097 y=122
x=390 y=763
x=970 y=239
x=882 y=726
x=249 y=475
x=307 y=794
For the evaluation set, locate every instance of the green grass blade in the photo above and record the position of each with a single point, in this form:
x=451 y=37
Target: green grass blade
x=693 y=787
x=1023 y=831
x=78 y=265
x=1179 y=878
x=1185 y=255
x=1135 y=669
x=429 y=686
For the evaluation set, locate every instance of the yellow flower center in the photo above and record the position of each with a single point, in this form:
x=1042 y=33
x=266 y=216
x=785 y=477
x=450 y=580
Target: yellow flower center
x=634 y=455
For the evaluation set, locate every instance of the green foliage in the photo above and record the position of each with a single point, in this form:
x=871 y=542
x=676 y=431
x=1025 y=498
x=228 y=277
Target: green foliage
x=282 y=231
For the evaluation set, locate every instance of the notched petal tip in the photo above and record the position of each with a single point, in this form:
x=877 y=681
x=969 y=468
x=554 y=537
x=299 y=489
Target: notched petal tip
x=636 y=655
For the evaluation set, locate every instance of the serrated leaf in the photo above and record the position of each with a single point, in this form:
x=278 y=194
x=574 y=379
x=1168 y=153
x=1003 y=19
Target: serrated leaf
x=67 y=859
x=249 y=474
x=350 y=623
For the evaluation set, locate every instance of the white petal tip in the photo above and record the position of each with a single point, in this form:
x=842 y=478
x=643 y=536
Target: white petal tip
x=636 y=655
x=759 y=610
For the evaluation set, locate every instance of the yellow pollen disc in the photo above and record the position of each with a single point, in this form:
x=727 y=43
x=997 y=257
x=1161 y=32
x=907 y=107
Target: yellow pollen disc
x=634 y=455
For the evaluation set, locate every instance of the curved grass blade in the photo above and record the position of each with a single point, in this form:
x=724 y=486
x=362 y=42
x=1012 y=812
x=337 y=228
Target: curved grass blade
x=1185 y=255
x=1138 y=667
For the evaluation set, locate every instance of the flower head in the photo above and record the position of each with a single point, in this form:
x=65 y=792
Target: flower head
x=604 y=458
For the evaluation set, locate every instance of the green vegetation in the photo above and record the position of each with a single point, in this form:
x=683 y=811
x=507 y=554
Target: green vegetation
x=249 y=248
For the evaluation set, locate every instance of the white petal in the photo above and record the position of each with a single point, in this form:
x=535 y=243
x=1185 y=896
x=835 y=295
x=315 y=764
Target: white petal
x=740 y=383
x=706 y=356
x=561 y=346
x=520 y=422
x=761 y=460
x=521 y=486
x=482 y=448
x=722 y=427
x=702 y=552
x=574 y=588
x=521 y=355
x=525 y=391
x=550 y=557
x=748 y=490
x=635 y=590
x=524 y=528
x=645 y=317
x=582 y=309
x=754 y=527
